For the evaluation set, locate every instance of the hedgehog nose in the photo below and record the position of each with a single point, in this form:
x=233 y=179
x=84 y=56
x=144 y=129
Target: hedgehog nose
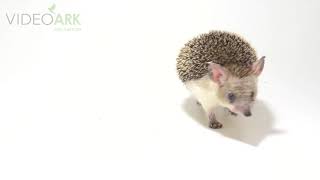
x=247 y=113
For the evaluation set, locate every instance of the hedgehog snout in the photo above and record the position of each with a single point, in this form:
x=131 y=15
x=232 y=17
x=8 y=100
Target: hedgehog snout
x=245 y=110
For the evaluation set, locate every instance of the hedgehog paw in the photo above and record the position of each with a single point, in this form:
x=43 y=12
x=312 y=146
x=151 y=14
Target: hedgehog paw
x=230 y=112
x=233 y=114
x=213 y=123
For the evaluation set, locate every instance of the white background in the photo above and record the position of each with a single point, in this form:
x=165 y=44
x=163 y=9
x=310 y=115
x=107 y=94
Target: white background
x=106 y=103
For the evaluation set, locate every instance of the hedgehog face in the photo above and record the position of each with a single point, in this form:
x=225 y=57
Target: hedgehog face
x=236 y=94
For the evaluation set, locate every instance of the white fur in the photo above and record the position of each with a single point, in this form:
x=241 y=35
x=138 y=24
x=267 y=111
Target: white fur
x=205 y=91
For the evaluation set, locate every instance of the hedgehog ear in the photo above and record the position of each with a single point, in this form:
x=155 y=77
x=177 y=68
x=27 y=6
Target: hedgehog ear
x=217 y=73
x=257 y=66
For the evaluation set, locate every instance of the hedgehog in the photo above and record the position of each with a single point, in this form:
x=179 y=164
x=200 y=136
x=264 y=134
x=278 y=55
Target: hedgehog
x=220 y=69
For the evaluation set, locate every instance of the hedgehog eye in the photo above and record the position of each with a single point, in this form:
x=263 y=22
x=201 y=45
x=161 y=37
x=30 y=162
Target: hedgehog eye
x=231 y=97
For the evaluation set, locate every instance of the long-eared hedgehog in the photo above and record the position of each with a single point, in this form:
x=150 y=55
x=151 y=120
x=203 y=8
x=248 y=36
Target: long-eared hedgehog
x=220 y=69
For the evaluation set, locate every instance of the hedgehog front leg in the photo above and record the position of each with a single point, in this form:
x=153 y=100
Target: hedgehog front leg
x=209 y=107
x=213 y=123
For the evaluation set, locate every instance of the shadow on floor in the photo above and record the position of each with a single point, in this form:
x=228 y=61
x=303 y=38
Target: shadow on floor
x=250 y=130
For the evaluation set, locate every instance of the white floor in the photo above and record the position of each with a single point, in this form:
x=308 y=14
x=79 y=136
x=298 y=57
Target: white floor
x=106 y=103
